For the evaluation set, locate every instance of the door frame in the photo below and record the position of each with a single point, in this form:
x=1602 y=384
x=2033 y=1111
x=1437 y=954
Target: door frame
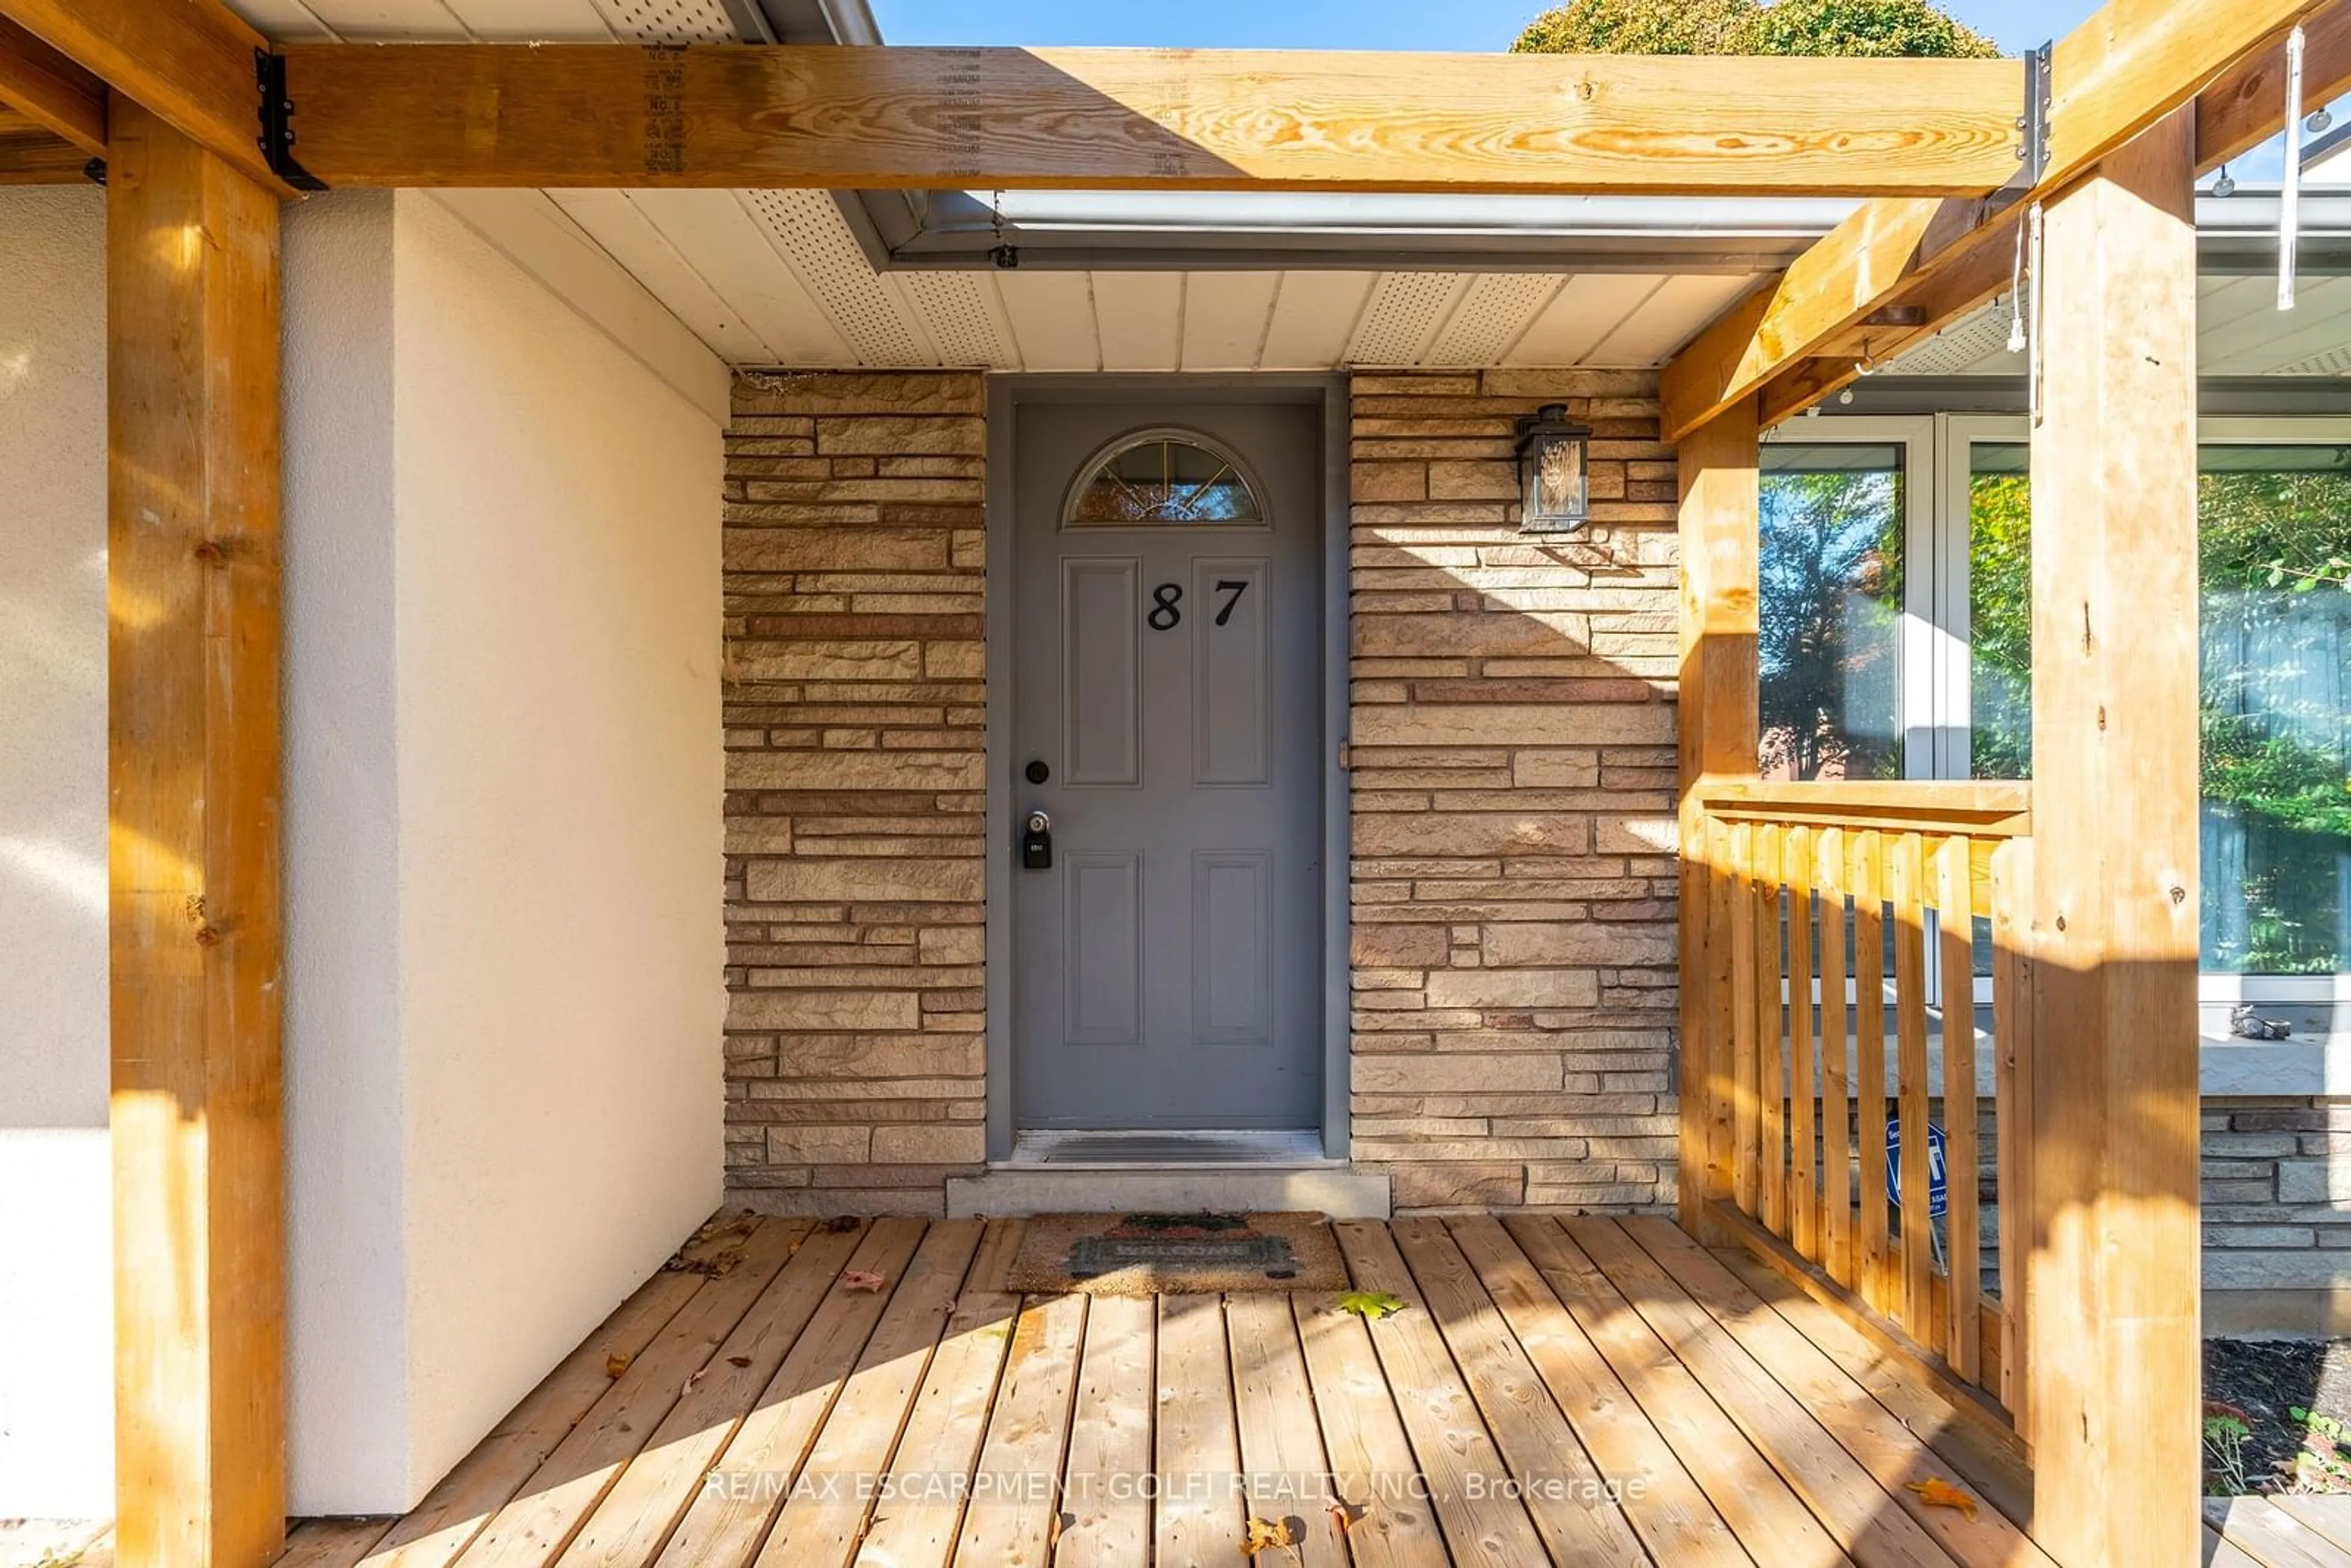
x=1007 y=395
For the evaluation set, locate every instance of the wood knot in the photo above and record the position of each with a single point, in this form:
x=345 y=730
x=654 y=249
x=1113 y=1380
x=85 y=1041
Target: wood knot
x=212 y=552
x=208 y=935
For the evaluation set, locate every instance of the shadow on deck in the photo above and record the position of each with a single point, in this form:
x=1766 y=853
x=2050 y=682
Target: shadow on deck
x=1564 y=1391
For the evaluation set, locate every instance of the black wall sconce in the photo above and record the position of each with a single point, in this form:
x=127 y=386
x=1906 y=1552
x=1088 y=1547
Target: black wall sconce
x=1554 y=478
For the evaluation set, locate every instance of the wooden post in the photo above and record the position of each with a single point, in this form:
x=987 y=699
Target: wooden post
x=1720 y=504
x=2112 y=1295
x=192 y=775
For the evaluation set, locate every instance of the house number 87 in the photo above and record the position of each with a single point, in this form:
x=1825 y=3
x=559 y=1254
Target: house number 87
x=1168 y=599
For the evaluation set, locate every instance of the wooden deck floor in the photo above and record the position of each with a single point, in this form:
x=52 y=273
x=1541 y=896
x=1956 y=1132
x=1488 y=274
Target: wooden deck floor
x=1578 y=1391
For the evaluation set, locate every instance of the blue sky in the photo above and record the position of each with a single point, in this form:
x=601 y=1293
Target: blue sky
x=2015 y=25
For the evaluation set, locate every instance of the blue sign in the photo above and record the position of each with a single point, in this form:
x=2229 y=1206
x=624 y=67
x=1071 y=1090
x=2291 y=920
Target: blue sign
x=1938 y=1186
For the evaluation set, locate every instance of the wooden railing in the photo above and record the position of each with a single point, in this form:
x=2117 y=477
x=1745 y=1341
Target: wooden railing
x=1808 y=887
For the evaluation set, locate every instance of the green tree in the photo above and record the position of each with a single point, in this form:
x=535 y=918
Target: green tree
x=1850 y=27
x=2273 y=554
x=1828 y=617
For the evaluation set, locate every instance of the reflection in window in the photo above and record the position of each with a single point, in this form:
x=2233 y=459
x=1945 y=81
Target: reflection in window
x=1164 y=478
x=1829 y=648
x=2275 y=547
x=2000 y=610
x=2275 y=526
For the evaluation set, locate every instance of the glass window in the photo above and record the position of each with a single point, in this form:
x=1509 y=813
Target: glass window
x=2275 y=549
x=2275 y=531
x=1829 y=653
x=2000 y=610
x=1163 y=476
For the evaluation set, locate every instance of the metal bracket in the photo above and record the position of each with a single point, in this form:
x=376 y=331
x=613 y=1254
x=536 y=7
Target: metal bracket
x=2032 y=125
x=276 y=140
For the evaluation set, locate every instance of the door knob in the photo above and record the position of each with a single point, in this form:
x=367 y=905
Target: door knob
x=1037 y=841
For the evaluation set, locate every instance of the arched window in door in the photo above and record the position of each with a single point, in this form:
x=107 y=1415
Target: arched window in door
x=1155 y=477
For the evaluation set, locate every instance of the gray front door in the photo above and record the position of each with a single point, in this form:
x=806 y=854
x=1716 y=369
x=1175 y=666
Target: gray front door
x=1168 y=969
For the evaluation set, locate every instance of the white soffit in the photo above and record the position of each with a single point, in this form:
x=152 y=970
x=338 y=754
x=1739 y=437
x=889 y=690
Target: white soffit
x=2240 y=331
x=776 y=278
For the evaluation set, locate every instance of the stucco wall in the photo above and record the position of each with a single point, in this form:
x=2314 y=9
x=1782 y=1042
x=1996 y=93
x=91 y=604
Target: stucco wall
x=503 y=988
x=345 y=1325
x=56 y=1402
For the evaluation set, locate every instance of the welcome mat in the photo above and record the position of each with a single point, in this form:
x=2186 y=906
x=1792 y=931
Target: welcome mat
x=1173 y=1254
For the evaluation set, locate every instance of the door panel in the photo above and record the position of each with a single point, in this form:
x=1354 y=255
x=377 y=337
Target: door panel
x=1102 y=713
x=1232 y=946
x=1105 y=1005
x=1228 y=673
x=1167 y=675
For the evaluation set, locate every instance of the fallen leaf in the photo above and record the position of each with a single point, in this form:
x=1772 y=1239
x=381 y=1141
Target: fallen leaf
x=1344 y=1514
x=738 y=1361
x=1063 y=1521
x=1935 y=1492
x=1368 y=1304
x=616 y=1364
x=1265 y=1532
x=841 y=1224
x=691 y=1380
x=861 y=1279
x=948 y=1306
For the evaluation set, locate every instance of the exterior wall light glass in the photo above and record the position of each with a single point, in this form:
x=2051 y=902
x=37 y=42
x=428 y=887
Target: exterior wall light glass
x=1554 y=483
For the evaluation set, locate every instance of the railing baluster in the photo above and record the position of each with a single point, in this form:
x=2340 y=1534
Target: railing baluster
x=1906 y=875
x=1803 y=1103
x=1815 y=1081
x=1745 y=1104
x=1770 y=1043
x=1954 y=896
x=1837 y=1098
x=1875 y=1262
x=2011 y=1023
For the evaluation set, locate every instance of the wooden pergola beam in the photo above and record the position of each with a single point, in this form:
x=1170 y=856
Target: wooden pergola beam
x=1145 y=118
x=2122 y=70
x=189 y=62
x=195 y=913
x=31 y=155
x=51 y=91
x=2239 y=110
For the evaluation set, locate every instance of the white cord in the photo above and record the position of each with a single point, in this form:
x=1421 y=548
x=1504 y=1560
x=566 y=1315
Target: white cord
x=2290 y=190
x=2016 y=295
x=2032 y=312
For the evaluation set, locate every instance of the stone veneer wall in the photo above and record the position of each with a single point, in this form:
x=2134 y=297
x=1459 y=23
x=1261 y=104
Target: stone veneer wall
x=1513 y=780
x=855 y=702
x=2277 y=1194
x=1513 y=798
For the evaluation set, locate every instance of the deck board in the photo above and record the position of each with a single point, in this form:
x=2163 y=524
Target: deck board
x=1722 y=1419
x=914 y=1526
x=1668 y=1509
x=1282 y=1447
x=761 y=1466
x=1449 y=1439
x=1890 y=1451
x=1770 y=1521
x=1109 y=1517
x=1577 y=1519
x=860 y=1434
x=635 y=1520
x=541 y=1520
x=1874 y=1531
